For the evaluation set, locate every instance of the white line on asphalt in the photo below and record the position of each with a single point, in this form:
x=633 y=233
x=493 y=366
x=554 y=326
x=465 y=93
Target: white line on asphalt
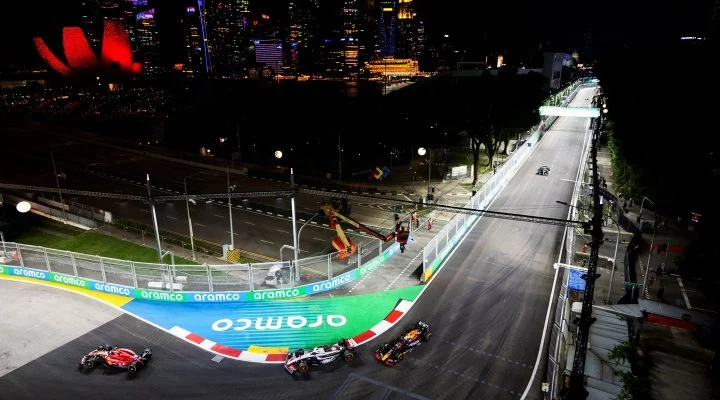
x=195 y=223
x=402 y=273
x=234 y=233
x=265 y=241
x=280 y=230
x=322 y=240
x=219 y=216
x=144 y=210
x=247 y=222
x=171 y=217
x=684 y=293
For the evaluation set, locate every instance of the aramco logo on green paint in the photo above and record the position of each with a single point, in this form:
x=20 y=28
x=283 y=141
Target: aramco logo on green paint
x=279 y=322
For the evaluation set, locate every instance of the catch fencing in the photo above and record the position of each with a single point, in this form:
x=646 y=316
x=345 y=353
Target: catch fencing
x=192 y=277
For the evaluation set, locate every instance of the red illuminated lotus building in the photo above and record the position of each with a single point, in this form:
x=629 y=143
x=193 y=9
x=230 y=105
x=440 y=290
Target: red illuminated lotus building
x=115 y=56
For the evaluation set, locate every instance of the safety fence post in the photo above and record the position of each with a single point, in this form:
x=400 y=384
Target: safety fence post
x=47 y=260
x=134 y=275
x=102 y=269
x=72 y=257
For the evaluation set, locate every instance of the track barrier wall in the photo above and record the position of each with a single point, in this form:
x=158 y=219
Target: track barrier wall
x=171 y=283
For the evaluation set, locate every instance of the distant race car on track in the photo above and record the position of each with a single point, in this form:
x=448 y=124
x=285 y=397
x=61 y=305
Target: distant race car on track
x=392 y=352
x=301 y=360
x=543 y=170
x=116 y=357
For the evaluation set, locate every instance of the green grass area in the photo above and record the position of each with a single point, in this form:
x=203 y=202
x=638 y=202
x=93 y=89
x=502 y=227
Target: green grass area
x=89 y=242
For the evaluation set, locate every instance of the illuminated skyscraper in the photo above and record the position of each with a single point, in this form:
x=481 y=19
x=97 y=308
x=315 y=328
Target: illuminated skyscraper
x=146 y=45
x=195 y=61
x=269 y=53
x=228 y=35
x=350 y=39
x=303 y=33
x=409 y=28
x=387 y=25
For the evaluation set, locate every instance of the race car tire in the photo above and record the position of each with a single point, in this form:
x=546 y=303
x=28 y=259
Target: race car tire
x=303 y=368
x=90 y=362
x=426 y=336
x=132 y=368
x=400 y=357
x=349 y=356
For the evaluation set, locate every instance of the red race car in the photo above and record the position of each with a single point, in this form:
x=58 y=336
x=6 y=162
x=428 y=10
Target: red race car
x=116 y=357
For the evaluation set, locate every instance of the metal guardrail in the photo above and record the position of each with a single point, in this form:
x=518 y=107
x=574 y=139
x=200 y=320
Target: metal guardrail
x=188 y=277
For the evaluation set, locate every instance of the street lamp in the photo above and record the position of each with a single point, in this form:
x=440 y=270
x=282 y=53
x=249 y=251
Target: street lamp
x=278 y=155
x=2 y=238
x=154 y=218
x=23 y=207
x=57 y=182
x=421 y=152
x=642 y=204
x=187 y=207
x=229 y=189
x=617 y=242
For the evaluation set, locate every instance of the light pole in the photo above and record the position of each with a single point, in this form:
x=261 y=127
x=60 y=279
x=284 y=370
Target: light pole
x=617 y=242
x=2 y=239
x=301 y=228
x=155 y=223
x=642 y=204
x=57 y=182
x=421 y=152
x=278 y=155
x=232 y=234
x=187 y=206
x=647 y=266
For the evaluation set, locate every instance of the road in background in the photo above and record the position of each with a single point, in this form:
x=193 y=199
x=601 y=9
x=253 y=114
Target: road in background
x=261 y=225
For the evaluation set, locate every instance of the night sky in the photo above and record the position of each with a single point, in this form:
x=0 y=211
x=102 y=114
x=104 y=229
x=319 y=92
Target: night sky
x=505 y=26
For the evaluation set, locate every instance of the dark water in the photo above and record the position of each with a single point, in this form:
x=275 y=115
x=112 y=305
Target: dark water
x=308 y=121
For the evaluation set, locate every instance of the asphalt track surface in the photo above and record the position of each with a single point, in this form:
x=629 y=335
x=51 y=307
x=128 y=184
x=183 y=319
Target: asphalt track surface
x=486 y=308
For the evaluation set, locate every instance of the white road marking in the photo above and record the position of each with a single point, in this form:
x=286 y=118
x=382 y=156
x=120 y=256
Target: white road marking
x=280 y=230
x=265 y=241
x=322 y=240
x=247 y=222
x=234 y=233
x=219 y=216
x=170 y=216
x=684 y=293
x=195 y=223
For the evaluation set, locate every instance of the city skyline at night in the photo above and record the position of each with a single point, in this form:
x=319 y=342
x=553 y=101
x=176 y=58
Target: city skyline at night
x=493 y=30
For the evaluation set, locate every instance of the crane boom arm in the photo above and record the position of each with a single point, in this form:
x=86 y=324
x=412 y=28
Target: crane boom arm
x=335 y=213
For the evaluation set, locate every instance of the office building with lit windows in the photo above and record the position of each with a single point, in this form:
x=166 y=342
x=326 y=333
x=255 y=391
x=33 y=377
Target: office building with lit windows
x=270 y=53
x=387 y=26
x=196 y=55
x=146 y=42
x=227 y=25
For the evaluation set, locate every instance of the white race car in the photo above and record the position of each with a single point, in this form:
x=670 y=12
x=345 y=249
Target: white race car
x=301 y=360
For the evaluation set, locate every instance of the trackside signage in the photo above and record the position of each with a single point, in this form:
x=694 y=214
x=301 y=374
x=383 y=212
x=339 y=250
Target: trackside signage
x=69 y=280
x=370 y=266
x=205 y=297
x=26 y=272
x=174 y=297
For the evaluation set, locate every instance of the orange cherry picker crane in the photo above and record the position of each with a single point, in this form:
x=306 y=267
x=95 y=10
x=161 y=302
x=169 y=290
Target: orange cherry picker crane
x=346 y=247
